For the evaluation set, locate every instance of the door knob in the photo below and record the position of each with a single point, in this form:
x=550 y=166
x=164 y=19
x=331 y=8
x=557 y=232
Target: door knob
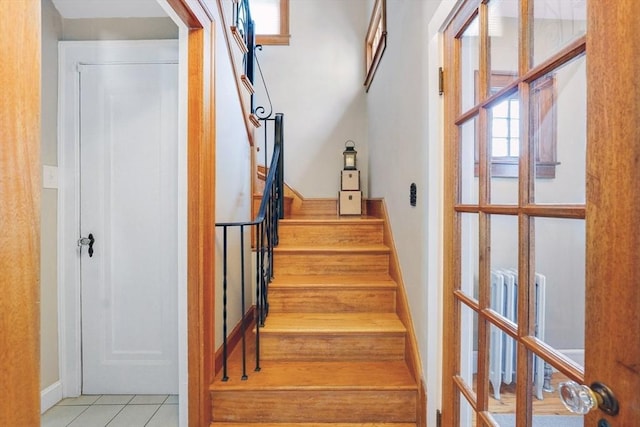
x=580 y=399
x=89 y=242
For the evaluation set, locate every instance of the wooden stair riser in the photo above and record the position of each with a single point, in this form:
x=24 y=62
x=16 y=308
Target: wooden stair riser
x=318 y=406
x=300 y=233
x=308 y=299
x=331 y=346
x=317 y=207
x=288 y=203
x=292 y=263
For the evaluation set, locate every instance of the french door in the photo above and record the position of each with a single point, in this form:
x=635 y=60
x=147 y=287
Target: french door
x=539 y=271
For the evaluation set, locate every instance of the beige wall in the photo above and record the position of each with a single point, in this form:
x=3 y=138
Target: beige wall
x=51 y=33
x=119 y=29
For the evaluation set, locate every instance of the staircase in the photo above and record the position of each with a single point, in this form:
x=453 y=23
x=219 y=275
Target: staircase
x=333 y=348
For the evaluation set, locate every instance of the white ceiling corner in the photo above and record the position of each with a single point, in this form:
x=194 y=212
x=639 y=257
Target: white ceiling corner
x=78 y=9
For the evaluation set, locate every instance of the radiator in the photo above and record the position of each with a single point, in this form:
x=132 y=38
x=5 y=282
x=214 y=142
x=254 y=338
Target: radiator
x=503 y=354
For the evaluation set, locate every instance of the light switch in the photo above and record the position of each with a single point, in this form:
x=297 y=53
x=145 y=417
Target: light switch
x=49 y=176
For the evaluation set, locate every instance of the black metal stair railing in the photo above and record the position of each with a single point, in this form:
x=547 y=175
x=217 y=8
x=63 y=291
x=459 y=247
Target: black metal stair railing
x=270 y=212
x=266 y=238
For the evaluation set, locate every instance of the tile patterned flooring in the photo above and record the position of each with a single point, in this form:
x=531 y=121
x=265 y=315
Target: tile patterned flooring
x=114 y=411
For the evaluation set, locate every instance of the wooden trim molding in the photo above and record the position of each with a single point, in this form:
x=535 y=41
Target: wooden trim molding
x=200 y=206
x=376 y=40
x=283 y=37
x=235 y=336
x=20 y=213
x=378 y=209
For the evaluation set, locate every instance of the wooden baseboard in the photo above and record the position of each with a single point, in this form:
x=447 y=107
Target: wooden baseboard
x=236 y=336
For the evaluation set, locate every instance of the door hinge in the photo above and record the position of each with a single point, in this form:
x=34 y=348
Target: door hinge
x=438 y=413
x=440 y=81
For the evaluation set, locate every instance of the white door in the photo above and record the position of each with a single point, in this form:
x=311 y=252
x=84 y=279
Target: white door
x=128 y=191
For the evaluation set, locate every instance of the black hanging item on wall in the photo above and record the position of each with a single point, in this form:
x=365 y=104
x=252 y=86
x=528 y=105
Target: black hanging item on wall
x=412 y=194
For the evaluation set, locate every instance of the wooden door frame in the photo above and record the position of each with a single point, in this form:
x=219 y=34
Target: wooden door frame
x=612 y=343
x=20 y=178
x=20 y=189
x=199 y=19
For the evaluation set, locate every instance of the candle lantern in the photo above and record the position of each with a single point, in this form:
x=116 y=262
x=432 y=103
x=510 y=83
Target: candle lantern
x=349 y=154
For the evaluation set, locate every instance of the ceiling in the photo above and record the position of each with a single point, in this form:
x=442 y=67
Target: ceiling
x=75 y=9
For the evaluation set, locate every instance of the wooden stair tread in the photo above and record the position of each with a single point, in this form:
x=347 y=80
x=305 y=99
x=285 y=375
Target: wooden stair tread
x=330 y=220
x=352 y=248
x=328 y=323
x=338 y=280
x=313 y=424
x=361 y=375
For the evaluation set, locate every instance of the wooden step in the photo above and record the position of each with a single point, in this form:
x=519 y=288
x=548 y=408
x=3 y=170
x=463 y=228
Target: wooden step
x=294 y=260
x=332 y=336
x=307 y=424
x=331 y=231
x=319 y=392
x=332 y=294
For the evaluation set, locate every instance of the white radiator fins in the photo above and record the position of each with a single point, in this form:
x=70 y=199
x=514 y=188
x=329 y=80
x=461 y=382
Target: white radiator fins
x=503 y=354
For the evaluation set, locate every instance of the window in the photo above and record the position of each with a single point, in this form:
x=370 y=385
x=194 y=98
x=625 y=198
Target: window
x=505 y=128
x=271 y=18
x=376 y=40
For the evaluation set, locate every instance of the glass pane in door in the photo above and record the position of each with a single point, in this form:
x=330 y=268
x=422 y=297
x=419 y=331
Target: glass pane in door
x=469 y=63
x=559 y=131
x=502 y=377
x=469 y=187
x=467 y=414
x=503 y=37
x=548 y=409
x=556 y=24
x=504 y=266
x=560 y=285
x=504 y=142
x=468 y=346
x=469 y=254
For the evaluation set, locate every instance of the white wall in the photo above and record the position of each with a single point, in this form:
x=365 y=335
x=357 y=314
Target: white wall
x=317 y=82
x=399 y=154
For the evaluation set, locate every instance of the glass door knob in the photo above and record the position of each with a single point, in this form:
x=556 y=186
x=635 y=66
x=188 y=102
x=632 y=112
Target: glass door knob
x=580 y=399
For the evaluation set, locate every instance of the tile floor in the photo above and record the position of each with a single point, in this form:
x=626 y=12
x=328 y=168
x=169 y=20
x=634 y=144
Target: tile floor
x=114 y=411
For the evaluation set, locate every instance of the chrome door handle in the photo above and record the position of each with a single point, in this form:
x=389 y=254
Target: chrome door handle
x=87 y=241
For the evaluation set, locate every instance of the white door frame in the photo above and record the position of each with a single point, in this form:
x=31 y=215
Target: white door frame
x=435 y=225
x=98 y=52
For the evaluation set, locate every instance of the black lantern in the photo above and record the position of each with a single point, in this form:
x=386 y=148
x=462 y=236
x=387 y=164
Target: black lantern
x=349 y=154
